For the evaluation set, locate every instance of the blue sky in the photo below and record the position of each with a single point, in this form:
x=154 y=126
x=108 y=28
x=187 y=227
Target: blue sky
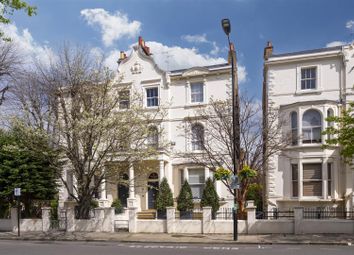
x=182 y=33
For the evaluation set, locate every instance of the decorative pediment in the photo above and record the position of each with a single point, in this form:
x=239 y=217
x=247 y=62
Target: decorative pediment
x=195 y=71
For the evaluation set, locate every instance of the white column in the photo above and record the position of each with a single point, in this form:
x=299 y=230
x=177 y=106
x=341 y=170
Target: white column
x=185 y=174
x=324 y=179
x=162 y=170
x=170 y=174
x=103 y=189
x=131 y=181
x=206 y=173
x=300 y=177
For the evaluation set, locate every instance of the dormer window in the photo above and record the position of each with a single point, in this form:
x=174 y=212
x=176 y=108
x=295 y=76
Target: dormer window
x=308 y=78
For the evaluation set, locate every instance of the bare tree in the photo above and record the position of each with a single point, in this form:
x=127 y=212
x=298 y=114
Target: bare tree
x=217 y=145
x=10 y=63
x=92 y=128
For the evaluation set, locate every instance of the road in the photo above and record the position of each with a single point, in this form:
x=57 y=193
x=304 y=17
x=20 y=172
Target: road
x=108 y=248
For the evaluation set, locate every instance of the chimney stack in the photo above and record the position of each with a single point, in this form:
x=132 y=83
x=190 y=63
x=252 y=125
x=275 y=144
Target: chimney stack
x=268 y=50
x=145 y=48
x=122 y=56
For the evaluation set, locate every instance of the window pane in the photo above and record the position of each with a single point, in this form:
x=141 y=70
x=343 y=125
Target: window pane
x=197 y=191
x=197 y=93
x=152 y=97
x=294 y=172
x=312 y=171
x=312 y=188
x=196 y=176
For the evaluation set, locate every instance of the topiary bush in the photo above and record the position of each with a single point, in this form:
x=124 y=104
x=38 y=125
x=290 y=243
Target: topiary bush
x=164 y=198
x=210 y=197
x=118 y=207
x=185 y=199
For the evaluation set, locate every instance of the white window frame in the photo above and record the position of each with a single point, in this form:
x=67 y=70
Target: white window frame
x=201 y=185
x=189 y=92
x=312 y=127
x=192 y=141
x=146 y=97
x=318 y=87
x=199 y=84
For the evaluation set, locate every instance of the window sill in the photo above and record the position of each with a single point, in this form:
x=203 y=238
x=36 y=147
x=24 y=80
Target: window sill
x=195 y=105
x=308 y=92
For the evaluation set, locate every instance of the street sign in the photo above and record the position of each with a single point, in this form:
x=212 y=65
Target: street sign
x=17 y=192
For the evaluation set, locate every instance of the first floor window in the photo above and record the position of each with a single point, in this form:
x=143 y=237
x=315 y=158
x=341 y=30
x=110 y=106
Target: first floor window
x=311 y=126
x=153 y=137
x=312 y=179
x=196 y=181
x=197 y=137
x=152 y=97
x=124 y=97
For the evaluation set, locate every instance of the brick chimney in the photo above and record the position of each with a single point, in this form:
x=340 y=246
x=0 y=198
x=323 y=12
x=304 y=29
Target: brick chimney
x=268 y=50
x=145 y=48
x=122 y=56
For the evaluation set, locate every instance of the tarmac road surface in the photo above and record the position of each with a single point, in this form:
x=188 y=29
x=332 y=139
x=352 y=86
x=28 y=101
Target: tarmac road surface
x=18 y=247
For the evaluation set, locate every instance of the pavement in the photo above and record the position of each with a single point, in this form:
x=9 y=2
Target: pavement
x=322 y=239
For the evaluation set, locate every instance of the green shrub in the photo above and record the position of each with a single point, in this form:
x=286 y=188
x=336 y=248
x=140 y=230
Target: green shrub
x=254 y=192
x=185 y=198
x=118 y=208
x=164 y=196
x=210 y=197
x=94 y=204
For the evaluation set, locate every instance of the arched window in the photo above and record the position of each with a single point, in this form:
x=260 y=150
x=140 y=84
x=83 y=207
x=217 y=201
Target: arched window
x=153 y=137
x=311 y=127
x=294 y=127
x=330 y=113
x=197 y=137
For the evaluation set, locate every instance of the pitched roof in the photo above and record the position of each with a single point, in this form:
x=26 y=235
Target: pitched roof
x=306 y=52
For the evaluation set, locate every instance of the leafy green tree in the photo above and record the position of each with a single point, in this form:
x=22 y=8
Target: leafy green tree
x=28 y=162
x=8 y=7
x=185 y=198
x=118 y=207
x=210 y=197
x=341 y=132
x=164 y=196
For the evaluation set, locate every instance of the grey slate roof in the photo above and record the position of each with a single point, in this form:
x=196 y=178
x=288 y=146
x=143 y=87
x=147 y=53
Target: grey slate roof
x=208 y=67
x=306 y=52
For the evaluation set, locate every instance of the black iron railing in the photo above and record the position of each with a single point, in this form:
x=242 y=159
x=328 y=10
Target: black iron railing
x=328 y=213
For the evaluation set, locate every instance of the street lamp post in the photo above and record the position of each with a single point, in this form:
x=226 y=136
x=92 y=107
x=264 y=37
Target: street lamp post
x=235 y=116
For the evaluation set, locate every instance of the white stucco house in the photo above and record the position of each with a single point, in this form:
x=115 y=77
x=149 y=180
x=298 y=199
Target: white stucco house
x=304 y=88
x=181 y=93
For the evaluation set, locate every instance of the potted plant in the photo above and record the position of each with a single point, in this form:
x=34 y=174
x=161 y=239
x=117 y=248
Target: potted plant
x=164 y=199
x=118 y=208
x=210 y=197
x=185 y=201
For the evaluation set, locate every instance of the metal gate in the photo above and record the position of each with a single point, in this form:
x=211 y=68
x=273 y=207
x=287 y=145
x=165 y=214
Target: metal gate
x=60 y=223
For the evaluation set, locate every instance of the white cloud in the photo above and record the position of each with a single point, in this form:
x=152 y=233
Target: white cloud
x=195 y=38
x=26 y=46
x=215 y=51
x=241 y=73
x=350 y=25
x=113 y=26
x=336 y=43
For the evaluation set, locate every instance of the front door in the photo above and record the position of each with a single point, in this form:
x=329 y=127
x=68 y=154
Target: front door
x=152 y=194
x=123 y=194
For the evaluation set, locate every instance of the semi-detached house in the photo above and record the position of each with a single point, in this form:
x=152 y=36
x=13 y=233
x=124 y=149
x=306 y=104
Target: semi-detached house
x=304 y=88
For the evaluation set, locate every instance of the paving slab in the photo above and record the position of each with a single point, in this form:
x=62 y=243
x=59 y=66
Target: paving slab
x=334 y=239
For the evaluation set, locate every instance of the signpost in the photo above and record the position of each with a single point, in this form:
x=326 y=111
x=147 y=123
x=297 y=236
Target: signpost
x=17 y=193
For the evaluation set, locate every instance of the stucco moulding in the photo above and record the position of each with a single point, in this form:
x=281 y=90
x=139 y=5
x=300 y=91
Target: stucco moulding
x=197 y=71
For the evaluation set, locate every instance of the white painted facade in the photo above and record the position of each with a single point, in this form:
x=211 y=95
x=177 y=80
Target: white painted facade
x=174 y=93
x=308 y=86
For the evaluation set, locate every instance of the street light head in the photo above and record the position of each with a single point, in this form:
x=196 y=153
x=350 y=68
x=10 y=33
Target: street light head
x=225 y=23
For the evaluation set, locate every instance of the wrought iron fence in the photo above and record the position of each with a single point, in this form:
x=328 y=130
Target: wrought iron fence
x=275 y=214
x=328 y=213
x=223 y=214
